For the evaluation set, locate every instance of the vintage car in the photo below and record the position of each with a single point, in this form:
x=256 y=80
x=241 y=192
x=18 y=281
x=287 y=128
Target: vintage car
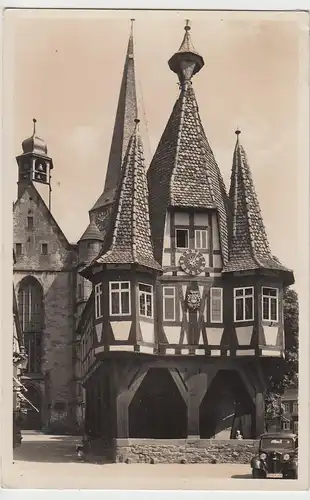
x=277 y=456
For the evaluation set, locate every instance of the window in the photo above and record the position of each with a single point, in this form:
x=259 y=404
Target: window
x=216 y=309
x=120 y=298
x=169 y=303
x=201 y=239
x=181 y=237
x=243 y=304
x=295 y=407
x=44 y=249
x=270 y=304
x=146 y=300
x=18 y=249
x=286 y=407
x=98 y=298
x=286 y=426
x=295 y=426
x=31 y=314
x=30 y=222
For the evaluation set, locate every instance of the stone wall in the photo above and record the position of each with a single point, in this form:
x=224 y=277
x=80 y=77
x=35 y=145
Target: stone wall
x=185 y=451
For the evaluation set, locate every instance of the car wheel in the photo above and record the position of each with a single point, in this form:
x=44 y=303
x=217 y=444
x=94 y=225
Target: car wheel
x=258 y=474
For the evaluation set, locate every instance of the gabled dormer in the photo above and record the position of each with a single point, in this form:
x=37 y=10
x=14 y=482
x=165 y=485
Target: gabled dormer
x=125 y=271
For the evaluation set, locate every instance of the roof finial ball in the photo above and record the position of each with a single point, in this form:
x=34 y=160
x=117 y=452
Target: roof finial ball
x=187 y=25
x=237 y=132
x=34 y=125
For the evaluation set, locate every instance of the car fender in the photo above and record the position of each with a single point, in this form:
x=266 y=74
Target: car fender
x=256 y=463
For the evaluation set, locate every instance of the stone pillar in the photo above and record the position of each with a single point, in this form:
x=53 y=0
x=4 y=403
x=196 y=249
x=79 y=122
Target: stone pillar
x=260 y=414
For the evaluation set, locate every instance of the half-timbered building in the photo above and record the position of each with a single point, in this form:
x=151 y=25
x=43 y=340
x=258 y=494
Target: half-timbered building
x=186 y=301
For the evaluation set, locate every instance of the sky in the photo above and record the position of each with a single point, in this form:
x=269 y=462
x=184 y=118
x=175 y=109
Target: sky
x=65 y=68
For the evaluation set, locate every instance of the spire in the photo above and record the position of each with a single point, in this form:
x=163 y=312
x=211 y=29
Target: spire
x=123 y=126
x=249 y=246
x=129 y=241
x=187 y=61
x=184 y=172
x=34 y=144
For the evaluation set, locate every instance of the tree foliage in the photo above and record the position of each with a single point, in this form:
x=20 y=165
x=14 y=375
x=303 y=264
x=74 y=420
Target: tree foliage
x=283 y=373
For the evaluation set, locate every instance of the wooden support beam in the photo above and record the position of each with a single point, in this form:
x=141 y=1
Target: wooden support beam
x=197 y=384
x=260 y=414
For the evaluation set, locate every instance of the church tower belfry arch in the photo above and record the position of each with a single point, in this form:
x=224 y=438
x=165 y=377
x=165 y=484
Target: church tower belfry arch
x=35 y=166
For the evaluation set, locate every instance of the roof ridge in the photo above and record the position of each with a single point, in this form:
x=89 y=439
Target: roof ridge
x=182 y=97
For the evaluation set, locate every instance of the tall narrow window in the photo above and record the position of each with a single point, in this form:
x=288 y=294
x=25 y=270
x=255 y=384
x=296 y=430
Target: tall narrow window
x=30 y=222
x=169 y=303
x=201 y=239
x=18 y=249
x=216 y=305
x=244 y=304
x=120 y=304
x=98 y=300
x=181 y=238
x=44 y=249
x=270 y=303
x=31 y=314
x=146 y=300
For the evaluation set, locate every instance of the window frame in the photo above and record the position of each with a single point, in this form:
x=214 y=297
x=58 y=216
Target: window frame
x=221 y=302
x=243 y=297
x=207 y=243
x=176 y=239
x=145 y=294
x=20 y=247
x=30 y=222
x=98 y=292
x=269 y=307
x=286 y=426
x=119 y=291
x=174 y=303
x=44 y=246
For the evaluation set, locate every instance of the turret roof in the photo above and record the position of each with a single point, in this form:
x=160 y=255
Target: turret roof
x=250 y=247
x=128 y=240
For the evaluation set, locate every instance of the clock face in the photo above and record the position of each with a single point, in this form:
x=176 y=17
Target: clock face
x=192 y=262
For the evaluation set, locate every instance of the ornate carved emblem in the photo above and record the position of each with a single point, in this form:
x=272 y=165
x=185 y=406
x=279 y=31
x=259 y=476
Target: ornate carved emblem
x=193 y=299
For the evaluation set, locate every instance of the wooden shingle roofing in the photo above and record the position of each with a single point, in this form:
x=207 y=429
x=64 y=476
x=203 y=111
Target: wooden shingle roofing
x=249 y=245
x=130 y=233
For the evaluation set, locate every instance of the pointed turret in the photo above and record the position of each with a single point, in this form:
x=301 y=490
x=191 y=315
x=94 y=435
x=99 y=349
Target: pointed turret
x=128 y=240
x=123 y=129
x=250 y=247
x=183 y=172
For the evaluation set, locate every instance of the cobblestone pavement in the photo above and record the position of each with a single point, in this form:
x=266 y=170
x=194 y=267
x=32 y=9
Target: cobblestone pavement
x=51 y=462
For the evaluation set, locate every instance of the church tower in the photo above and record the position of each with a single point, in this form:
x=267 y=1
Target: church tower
x=35 y=166
x=44 y=280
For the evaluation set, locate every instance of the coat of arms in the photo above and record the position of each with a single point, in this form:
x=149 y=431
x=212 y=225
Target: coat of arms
x=193 y=299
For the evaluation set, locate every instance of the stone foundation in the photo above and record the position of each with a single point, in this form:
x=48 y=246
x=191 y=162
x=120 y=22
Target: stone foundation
x=185 y=451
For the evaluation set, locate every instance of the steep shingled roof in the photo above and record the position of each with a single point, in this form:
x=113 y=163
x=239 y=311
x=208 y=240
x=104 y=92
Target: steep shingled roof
x=130 y=231
x=92 y=232
x=123 y=127
x=249 y=247
x=183 y=172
